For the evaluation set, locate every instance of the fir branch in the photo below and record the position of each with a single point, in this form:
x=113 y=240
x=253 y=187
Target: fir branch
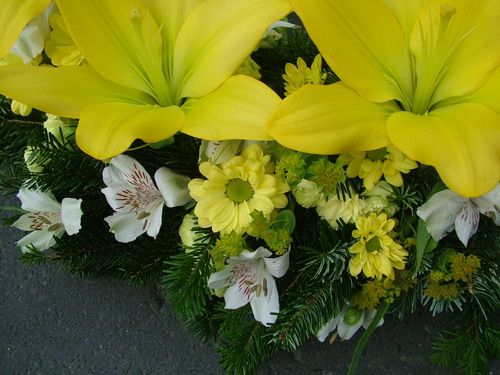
x=185 y=281
x=243 y=342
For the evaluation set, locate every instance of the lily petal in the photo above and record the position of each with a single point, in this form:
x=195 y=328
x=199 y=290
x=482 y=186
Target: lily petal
x=63 y=91
x=128 y=34
x=71 y=215
x=108 y=129
x=363 y=58
x=460 y=141
x=219 y=280
x=467 y=222
x=489 y=204
x=217 y=37
x=445 y=37
x=329 y=120
x=14 y=15
x=346 y=331
x=173 y=187
x=219 y=115
x=406 y=12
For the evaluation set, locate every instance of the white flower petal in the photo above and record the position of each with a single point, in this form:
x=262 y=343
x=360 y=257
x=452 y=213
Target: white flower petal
x=38 y=201
x=235 y=296
x=126 y=171
x=489 y=204
x=346 y=331
x=153 y=222
x=125 y=226
x=327 y=328
x=219 y=280
x=25 y=222
x=440 y=211
x=40 y=239
x=219 y=152
x=265 y=305
x=278 y=266
x=31 y=41
x=246 y=255
x=71 y=215
x=467 y=222
x=173 y=187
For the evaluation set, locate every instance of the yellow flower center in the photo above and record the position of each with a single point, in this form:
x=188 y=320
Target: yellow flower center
x=238 y=190
x=373 y=245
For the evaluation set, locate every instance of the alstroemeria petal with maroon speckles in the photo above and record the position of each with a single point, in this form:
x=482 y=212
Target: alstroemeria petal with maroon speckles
x=46 y=218
x=137 y=202
x=249 y=279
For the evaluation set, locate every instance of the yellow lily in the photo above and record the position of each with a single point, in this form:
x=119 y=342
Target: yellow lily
x=155 y=67
x=14 y=15
x=421 y=74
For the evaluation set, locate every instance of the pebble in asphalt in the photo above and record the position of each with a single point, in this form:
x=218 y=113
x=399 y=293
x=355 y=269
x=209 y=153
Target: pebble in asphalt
x=52 y=322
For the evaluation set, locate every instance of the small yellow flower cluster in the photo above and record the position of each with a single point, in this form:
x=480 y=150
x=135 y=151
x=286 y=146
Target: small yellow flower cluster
x=373 y=291
x=235 y=189
x=371 y=165
x=445 y=285
x=227 y=246
x=277 y=239
x=376 y=254
x=300 y=75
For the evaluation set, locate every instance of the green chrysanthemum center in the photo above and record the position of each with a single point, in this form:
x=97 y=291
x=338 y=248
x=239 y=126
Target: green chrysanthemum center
x=238 y=190
x=373 y=245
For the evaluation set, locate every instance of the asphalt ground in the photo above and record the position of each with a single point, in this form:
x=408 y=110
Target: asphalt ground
x=52 y=322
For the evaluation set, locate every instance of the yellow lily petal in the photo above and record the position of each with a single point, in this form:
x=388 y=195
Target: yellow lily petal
x=217 y=37
x=456 y=45
x=238 y=109
x=406 y=12
x=460 y=141
x=488 y=93
x=64 y=91
x=171 y=14
x=14 y=15
x=329 y=120
x=106 y=130
x=121 y=41
x=363 y=43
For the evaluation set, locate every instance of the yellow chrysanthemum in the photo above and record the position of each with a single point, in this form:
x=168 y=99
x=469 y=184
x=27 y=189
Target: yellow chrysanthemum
x=376 y=253
x=235 y=189
x=371 y=165
x=300 y=75
x=60 y=46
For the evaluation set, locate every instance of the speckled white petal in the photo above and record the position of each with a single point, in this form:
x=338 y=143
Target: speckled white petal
x=173 y=187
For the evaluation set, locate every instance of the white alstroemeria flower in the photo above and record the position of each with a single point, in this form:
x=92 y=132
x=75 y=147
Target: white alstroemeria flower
x=446 y=210
x=31 y=41
x=271 y=36
x=250 y=278
x=218 y=152
x=46 y=219
x=137 y=201
x=348 y=322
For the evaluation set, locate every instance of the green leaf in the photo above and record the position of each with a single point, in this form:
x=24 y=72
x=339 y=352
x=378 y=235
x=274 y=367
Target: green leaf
x=424 y=244
x=285 y=220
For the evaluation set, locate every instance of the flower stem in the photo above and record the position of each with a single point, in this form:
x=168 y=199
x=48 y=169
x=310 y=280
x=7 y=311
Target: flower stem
x=360 y=347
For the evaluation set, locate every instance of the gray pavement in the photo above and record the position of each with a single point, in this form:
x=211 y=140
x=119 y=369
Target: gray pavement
x=52 y=322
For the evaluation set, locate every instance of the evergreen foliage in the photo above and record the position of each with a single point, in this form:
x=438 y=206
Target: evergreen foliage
x=317 y=284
